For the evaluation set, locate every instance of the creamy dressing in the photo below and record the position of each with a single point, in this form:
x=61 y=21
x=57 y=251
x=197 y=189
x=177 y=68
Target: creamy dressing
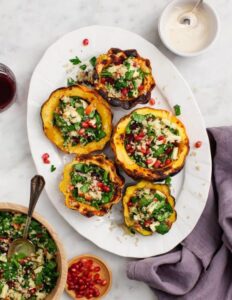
x=189 y=38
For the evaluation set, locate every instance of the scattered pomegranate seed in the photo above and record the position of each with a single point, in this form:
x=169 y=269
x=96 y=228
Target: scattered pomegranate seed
x=129 y=204
x=45 y=158
x=85 y=42
x=152 y=101
x=198 y=144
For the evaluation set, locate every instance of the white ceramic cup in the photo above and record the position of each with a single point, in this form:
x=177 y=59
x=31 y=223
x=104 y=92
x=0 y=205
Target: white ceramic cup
x=166 y=14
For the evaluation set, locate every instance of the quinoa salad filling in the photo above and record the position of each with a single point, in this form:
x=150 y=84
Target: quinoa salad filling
x=77 y=121
x=151 y=142
x=26 y=277
x=125 y=79
x=150 y=209
x=91 y=185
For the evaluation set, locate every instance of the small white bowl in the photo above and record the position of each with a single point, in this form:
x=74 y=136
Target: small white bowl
x=166 y=14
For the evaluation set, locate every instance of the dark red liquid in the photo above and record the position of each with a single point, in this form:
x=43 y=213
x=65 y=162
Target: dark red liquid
x=7 y=90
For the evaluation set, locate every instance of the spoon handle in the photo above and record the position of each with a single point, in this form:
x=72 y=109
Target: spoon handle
x=199 y=2
x=37 y=185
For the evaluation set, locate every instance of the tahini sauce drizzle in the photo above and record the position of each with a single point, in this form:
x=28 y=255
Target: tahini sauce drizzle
x=189 y=38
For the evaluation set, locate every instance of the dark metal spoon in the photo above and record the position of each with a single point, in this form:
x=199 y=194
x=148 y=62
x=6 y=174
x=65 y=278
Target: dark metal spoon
x=23 y=245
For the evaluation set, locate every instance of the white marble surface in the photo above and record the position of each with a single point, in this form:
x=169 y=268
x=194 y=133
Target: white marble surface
x=27 y=28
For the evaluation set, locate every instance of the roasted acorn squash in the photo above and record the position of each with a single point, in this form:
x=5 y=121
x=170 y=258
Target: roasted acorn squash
x=155 y=219
x=91 y=185
x=94 y=102
x=123 y=78
x=142 y=148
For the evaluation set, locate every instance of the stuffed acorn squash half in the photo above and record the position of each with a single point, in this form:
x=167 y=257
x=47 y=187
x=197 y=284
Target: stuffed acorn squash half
x=149 y=208
x=150 y=143
x=123 y=78
x=77 y=120
x=91 y=185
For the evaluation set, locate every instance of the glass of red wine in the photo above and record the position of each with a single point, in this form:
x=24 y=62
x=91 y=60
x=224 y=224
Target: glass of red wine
x=7 y=87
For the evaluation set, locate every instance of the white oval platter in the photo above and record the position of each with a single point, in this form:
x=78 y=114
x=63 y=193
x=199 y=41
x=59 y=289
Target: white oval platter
x=190 y=187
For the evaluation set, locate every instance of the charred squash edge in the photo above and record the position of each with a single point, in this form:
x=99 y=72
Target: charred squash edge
x=53 y=133
x=130 y=192
x=126 y=104
x=129 y=166
x=102 y=161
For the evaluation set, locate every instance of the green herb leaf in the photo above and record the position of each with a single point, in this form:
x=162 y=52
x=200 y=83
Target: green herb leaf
x=83 y=67
x=106 y=73
x=162 y=228
x=85 y=187
x=53 y=168
x=93 y=61
x=168 y=180
x=138 y=118
x=75 y=60
x=177 y=110
x=70 y=82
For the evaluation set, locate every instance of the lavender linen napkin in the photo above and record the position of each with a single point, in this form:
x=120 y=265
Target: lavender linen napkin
x=200 y=268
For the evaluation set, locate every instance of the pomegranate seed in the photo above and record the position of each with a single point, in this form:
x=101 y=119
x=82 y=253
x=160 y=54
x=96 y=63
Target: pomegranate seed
x=99 y=281
x=96 y=293
x=152 y=101
x=81 y=131
x=104 y=282
x=149 y=161
x=161 y=138
x=85 y=42
x=103 y=80
x=96 y=276
x=169 y=150
x=198 y=144
x=100 y=184
x=85 y=124
x=168 y=161
x=124 y=91
x=141 y=88
x=45 y=158
x=106 y=188
x=144 y=151
x=157 y=164
x=97 y=269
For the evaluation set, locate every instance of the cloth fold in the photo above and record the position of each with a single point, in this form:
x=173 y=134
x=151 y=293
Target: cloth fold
x=200 y=268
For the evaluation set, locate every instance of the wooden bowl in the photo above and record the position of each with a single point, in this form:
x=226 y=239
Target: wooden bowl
x=104 y=273
x=61 y=258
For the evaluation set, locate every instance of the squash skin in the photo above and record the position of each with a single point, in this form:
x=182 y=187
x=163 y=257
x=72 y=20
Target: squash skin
x=95 y=100
x=129 y=166
x=141 y=185
x=108 y=58
x=102 y=161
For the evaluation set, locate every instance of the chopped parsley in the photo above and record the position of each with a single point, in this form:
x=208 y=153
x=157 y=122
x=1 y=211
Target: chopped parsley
x=75 y=60
x=177 y=109
x=53 y=168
